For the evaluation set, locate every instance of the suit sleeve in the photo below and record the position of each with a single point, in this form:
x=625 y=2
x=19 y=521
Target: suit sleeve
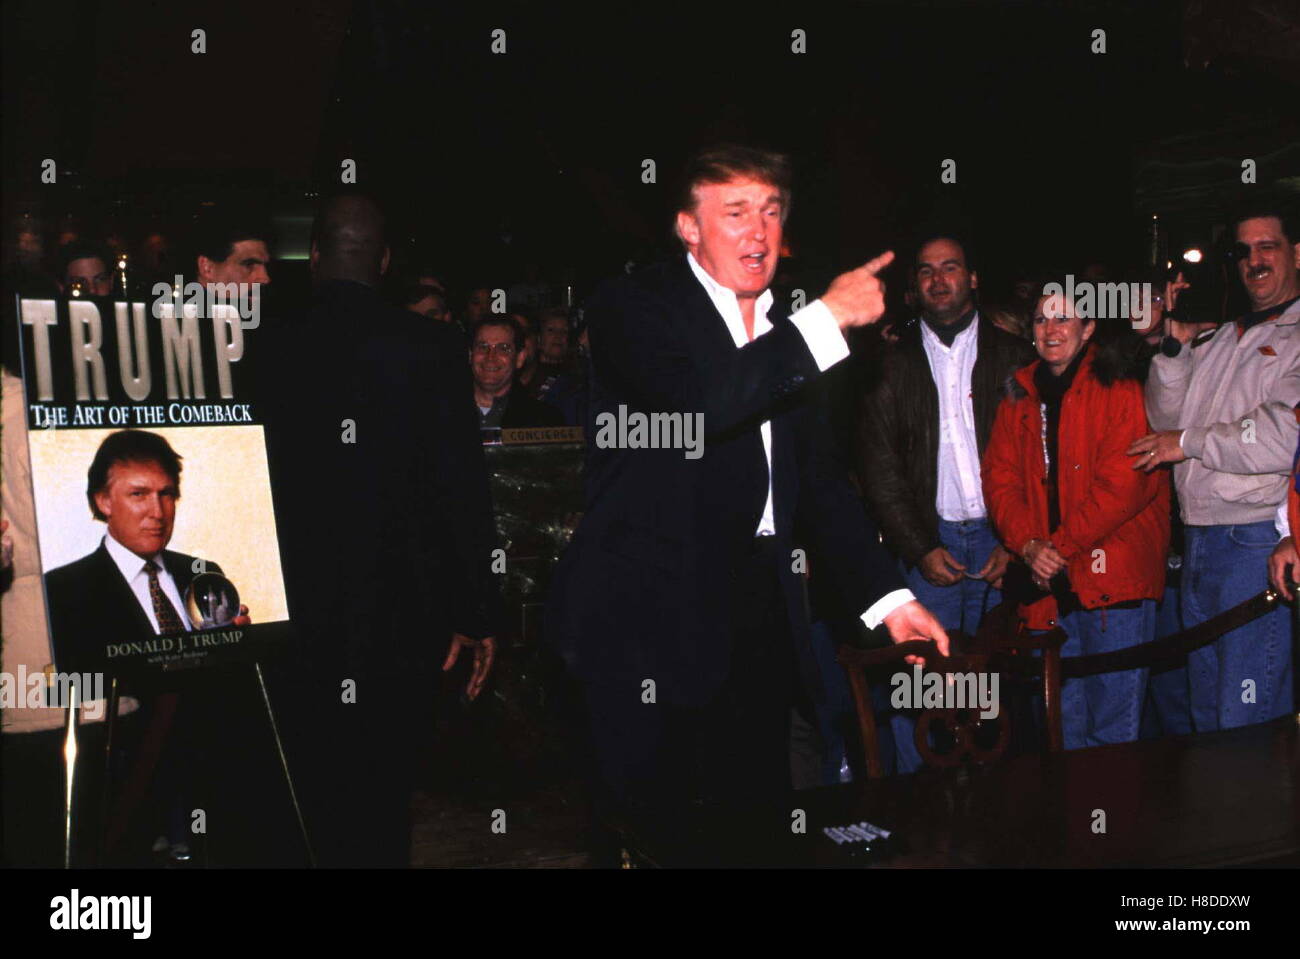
x=860 y=569
x=460 y=496
x=1118 y=491
x=880 y=470
x=638 y=342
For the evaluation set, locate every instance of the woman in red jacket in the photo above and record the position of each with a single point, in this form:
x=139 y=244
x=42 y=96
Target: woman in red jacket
x=1064 y=497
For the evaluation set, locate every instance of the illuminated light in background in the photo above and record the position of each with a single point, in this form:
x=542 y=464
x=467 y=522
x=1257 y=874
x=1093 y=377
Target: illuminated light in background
x=293 y=236
x=1193 y=255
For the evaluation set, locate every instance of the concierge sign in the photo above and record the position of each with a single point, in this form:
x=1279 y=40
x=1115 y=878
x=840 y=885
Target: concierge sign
x=149 y=472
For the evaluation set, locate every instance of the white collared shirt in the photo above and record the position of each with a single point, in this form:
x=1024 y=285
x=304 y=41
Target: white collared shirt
x=133 y=571
x=960 y=494
x=821 y=333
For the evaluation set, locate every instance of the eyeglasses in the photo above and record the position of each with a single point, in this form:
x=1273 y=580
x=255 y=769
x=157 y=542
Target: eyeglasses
x=506 y=350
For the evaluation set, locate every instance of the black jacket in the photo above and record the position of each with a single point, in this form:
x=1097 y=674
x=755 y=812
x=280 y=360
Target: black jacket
x=91 y=606
x=644 y=588
x=522 y=411
x=386 y=544
x=386 y=541
x=898 y=441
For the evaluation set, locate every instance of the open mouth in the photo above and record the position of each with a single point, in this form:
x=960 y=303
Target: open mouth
x=753 y=262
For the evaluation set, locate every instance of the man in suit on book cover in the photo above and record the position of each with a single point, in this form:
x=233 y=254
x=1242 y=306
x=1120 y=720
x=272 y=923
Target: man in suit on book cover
x=131 y=586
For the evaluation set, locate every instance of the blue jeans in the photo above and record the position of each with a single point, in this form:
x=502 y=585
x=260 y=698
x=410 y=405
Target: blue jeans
x=959 y=606
x=1224 y=566
x=1168 y=710
x=1096 y=710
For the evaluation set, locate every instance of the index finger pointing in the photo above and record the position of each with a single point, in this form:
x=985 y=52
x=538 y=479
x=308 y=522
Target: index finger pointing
x=879 y=263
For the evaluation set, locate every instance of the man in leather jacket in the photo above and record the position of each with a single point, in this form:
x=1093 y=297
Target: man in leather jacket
x=923 y=430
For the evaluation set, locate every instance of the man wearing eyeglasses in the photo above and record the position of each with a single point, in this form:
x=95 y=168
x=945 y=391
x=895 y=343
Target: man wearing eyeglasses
x=496 y=353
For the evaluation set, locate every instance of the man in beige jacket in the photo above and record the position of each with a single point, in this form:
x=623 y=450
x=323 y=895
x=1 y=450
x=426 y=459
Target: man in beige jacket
x=1224 y=408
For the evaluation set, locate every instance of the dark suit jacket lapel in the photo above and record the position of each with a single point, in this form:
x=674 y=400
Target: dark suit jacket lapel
x=708 y=335
x=785 y=467
x=707 y=329
x=117 y=592
x=180 y=569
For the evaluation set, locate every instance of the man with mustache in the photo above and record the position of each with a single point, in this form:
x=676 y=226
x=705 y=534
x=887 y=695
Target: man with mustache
x=924 y=428
x=1223 y=406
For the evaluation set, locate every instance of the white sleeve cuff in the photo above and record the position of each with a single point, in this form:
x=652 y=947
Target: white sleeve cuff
x=1282 y=521
x=817 y=325
x=875 y=615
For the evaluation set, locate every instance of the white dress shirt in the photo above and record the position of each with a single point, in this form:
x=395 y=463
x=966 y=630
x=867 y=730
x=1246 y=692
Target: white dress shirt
x=821 y=333
x=960 y=495
x=133 y=571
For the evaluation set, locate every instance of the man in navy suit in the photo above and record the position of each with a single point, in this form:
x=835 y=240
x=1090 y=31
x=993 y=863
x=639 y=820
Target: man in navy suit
x=679 y=603
x=132 y=586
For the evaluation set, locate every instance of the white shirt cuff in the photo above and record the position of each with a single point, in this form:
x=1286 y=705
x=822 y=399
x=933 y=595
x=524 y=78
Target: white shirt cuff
x=876 y=613
x=817 y=325
x=1282 y=521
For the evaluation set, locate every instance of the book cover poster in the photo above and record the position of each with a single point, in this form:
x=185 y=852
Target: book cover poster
x=153 y=497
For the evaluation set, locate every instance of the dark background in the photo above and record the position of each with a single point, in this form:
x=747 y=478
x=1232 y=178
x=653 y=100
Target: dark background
x=487 y=161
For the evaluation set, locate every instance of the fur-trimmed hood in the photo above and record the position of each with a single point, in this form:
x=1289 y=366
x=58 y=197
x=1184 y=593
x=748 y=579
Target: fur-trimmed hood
x=1124 y=357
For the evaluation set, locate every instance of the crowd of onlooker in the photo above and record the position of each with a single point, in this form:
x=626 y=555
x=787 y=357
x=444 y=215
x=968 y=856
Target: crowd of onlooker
x=526 y=349
x=1118 y=477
